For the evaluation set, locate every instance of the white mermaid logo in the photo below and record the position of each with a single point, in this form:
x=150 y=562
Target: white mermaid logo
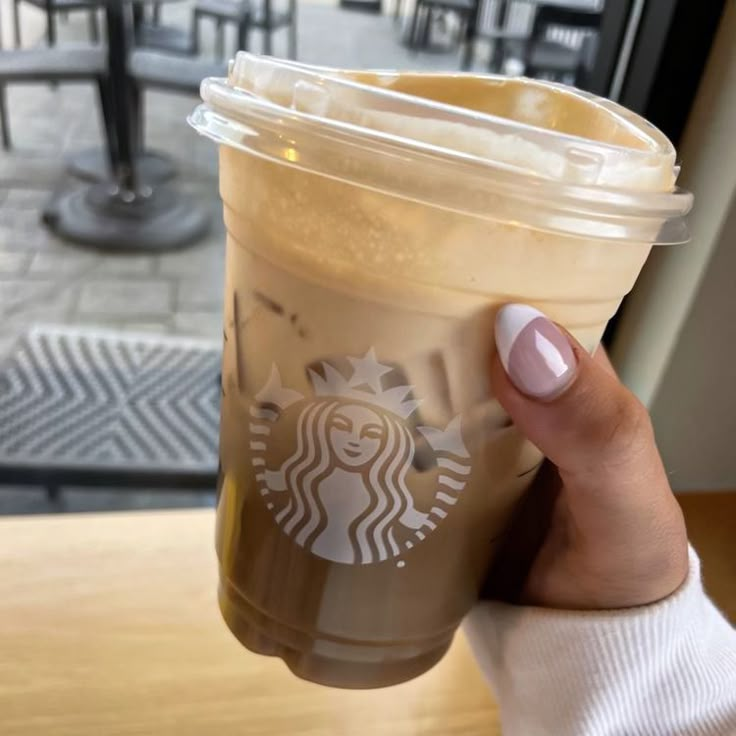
x=344 y=492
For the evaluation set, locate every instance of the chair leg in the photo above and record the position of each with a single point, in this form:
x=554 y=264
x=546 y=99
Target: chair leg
x=292 y=42
x=462 y=30
x=141 y=132
x=413 y=41
x=138 y=118
x=243 y=29
x=495 y=61
x=4 y=124
x=292 y=51
x=220 y=39
x=16 y=23
x=94 y=26
x=468 y=53
x=139 y=17
x=156 y=14
x=108 y=122
x=51 y=28
x=292 y=30
x=467 y=42
x=426 y=31
x=195 y=34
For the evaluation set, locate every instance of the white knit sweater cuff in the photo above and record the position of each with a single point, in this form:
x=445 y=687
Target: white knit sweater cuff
x=667 y=668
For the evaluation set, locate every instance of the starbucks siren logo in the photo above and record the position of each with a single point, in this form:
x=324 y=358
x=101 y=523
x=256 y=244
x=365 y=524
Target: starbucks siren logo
x=345 y=491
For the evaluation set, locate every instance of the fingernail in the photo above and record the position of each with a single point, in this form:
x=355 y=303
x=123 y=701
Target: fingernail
x=536 y=356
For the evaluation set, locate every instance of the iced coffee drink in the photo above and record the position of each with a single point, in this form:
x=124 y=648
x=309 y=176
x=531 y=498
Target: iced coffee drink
x=375 y=223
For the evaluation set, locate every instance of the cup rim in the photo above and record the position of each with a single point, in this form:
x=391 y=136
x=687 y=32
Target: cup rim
x=240 y=119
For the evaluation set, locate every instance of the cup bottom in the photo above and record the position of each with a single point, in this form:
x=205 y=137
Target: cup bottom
x=332 y=662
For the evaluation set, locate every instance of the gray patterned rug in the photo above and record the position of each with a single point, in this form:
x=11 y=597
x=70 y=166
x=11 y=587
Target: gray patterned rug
x=104 y=408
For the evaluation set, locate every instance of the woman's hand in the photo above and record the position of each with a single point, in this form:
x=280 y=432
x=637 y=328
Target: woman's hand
x=611 y=534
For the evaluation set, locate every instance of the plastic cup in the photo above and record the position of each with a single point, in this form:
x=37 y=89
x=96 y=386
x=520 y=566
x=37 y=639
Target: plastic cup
x=375 y=223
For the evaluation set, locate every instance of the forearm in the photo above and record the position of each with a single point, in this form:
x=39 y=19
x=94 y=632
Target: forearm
x=665 y=669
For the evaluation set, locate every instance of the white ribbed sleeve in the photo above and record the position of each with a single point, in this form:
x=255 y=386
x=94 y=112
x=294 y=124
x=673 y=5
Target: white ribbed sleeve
x=667 y=669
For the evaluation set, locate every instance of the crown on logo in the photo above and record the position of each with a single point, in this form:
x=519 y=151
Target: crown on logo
x=367 y=371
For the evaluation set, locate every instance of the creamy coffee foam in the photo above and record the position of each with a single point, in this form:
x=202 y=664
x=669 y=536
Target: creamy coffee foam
x=355 y=98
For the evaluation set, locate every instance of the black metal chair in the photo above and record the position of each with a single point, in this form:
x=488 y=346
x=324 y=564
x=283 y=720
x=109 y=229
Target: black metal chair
x=563 y=44
x=223 y=12
x=362 y=6
x=150 y=33
x=157 y=70
x=266 y=18
x=60 y=64
x=52 y=8
x=262 y=17
x=164 y=38
x=505 y=25
x=421 y=22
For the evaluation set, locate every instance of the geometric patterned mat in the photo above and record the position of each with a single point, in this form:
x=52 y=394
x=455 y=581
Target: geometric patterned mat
x=110 y=403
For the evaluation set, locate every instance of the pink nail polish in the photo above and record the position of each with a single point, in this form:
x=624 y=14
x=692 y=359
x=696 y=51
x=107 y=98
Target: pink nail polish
x=536 y=355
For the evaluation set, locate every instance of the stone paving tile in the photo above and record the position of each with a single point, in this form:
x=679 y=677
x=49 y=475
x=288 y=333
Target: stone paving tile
x=36 y=239
x=13 y=263
x=128 y=298
x=29 y=243
x=16 y=293
x=159 y=328
x=20 y=220
x=8 y=239
x=161 y=324
x=124 y=264
x=200 y=293
x=44 y=239
x=200 y=324
x=7 y=341
x=207 y=258
x=12 y=241
x=48 y=306
x=31 y=168
x=62 y=262
x=24 y=199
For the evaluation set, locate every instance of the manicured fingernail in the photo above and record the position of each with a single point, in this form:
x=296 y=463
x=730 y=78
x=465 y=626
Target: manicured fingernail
x=536 y=356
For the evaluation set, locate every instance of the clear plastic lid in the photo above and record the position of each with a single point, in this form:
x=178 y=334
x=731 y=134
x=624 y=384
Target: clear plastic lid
x=517 y=150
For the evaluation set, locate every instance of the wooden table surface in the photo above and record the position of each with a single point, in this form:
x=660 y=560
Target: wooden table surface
x=108 y=625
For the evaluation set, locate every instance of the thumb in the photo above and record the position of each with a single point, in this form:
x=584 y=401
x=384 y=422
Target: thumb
x=569 y=405
x=616 y=535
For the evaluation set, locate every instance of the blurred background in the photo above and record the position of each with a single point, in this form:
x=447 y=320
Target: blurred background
x=111 y=242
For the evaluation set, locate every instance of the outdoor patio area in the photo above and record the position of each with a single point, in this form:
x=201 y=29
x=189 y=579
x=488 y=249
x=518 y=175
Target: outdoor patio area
x=135 y=293
x=47 y=280
x=44 y=280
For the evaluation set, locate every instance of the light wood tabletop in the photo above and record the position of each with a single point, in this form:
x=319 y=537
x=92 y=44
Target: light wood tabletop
x=109 y=625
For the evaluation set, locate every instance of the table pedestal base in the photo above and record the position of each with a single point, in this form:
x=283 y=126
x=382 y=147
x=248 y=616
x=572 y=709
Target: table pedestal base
x=94 y=165
x=105 y=217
